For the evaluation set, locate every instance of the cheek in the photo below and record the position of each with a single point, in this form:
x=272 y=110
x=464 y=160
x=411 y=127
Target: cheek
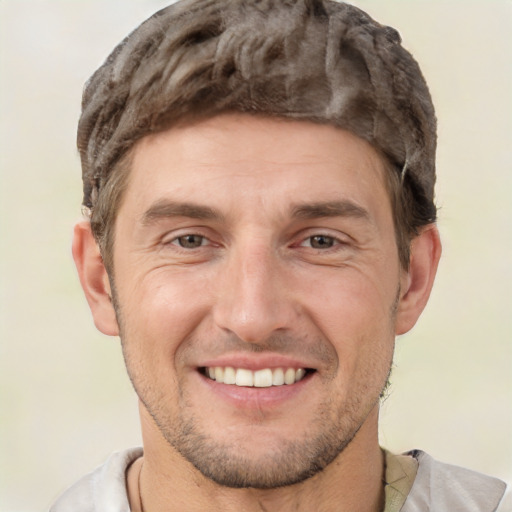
x=159 y=312
x=355 y=314
x=351 y=300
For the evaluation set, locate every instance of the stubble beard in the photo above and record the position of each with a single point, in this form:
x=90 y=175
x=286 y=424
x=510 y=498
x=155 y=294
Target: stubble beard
x=294 y=461
x=224 y=462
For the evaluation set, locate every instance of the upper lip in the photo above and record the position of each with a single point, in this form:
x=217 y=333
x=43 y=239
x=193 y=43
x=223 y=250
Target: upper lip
x=255 y=362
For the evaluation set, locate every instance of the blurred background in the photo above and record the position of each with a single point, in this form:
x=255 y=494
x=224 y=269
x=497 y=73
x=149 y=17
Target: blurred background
x=65 y=402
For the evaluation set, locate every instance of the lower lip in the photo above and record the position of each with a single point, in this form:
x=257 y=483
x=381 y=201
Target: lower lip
x=255 y=398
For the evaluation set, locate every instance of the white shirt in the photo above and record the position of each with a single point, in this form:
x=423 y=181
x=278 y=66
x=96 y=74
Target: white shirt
x=438 y=487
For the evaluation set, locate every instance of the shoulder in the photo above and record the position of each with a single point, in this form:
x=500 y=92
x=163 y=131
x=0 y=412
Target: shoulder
x=443 y=487
x=103 y=489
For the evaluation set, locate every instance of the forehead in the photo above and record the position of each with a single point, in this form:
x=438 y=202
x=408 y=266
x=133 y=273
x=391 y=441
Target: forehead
x=235 y=160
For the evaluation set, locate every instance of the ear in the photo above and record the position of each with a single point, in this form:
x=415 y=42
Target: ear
x=94 y=278
x=417 y=282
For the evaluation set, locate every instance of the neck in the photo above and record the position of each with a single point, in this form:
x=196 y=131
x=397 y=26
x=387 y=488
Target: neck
x=353 y=481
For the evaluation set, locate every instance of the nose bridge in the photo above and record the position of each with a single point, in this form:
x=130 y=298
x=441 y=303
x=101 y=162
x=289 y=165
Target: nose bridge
x=253 y=301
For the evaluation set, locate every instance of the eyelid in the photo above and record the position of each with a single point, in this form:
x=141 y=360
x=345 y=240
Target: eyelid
x=337 y=241
x=338 y=237
x=176 y=241
x=171 y=238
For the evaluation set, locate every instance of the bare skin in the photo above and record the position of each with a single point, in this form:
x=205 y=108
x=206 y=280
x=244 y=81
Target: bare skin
x=257 y=244
x=352 y=482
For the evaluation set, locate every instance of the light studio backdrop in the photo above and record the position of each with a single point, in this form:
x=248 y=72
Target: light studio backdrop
x=65 y=401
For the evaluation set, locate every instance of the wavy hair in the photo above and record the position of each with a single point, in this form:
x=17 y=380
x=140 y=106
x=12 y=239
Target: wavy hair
x=318 y=60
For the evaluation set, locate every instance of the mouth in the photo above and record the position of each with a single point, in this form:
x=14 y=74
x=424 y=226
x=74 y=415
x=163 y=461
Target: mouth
x=263 y=378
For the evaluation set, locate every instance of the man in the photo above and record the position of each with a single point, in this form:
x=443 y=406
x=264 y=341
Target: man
x=259 y=179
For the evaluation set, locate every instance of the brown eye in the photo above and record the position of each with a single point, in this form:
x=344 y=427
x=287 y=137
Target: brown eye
x=321 y=241
x=190 y=241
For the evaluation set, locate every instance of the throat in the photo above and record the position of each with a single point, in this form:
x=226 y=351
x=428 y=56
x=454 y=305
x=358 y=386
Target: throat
x=133 y=476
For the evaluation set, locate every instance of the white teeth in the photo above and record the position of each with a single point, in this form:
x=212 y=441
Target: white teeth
x=243 y=378
x=263 y=378
x=260 y=379
x=219 y=374
x=278 y=377
x=229 y=375
x=299 y=374
x=289 y=376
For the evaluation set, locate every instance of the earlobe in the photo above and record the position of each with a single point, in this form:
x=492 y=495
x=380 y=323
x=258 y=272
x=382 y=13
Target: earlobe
x=418 y=281
x=94 y=278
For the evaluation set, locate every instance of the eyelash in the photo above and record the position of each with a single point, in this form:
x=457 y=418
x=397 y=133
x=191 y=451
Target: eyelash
x=332 y=242
x=176 y=241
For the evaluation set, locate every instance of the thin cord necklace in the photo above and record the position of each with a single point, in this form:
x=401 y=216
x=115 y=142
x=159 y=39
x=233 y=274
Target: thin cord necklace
x=141 y=504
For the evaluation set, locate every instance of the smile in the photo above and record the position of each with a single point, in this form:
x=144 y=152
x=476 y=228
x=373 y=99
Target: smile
x=263 y=378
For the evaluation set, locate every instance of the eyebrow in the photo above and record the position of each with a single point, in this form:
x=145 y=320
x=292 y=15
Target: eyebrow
x=167 y=209
x=343 y=208
x=164 y=209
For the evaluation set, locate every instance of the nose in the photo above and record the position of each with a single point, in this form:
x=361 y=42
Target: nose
x=254 y=300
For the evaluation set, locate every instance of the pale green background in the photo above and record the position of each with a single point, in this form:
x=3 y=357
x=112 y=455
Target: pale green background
x=65 y=400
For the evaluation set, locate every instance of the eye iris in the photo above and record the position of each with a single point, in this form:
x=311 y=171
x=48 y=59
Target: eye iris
x=321 y=242
x=190 y=241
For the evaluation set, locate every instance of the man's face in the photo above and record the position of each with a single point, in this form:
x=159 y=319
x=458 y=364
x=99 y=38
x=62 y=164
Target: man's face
x=253 y=250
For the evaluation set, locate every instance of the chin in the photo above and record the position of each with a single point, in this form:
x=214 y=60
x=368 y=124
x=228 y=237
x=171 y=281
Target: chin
x=265 y=461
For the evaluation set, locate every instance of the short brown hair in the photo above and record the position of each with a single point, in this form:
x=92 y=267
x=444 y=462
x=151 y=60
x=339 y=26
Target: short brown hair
x=317 y=60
